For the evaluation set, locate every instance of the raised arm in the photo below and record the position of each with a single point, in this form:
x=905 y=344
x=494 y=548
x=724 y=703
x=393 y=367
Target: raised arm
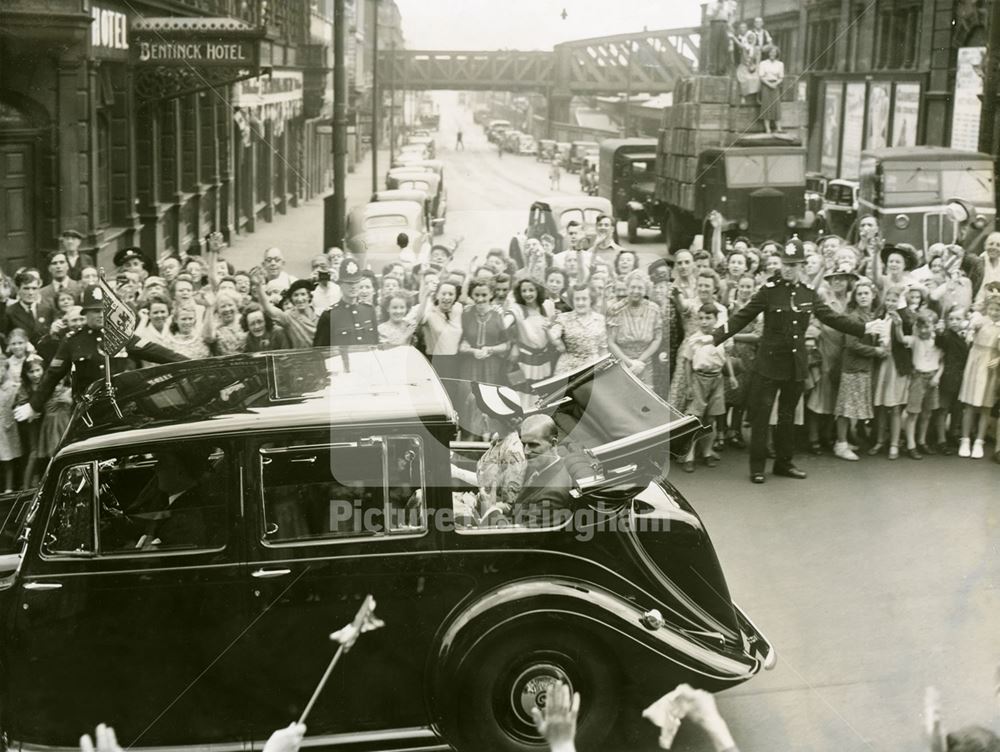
x=739 y=320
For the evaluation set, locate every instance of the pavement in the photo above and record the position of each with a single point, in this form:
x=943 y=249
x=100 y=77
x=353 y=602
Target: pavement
x=872 y=579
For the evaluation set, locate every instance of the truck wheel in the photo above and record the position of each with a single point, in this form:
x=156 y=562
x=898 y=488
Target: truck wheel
x=633 y=228
x=506 y=680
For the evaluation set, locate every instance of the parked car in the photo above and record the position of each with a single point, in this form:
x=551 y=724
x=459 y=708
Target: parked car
x=840 y=207
x=427 y=142
x=310 y=480
x=627 y=178
x=563 y=149
x=412 y=192
x=546 y=150
x=527 y=144
x=427 y=182
x=908 y=190
x=578 y=154
x=815 y=191
x=372 y=229
x=496 y=129
x=549 y=216
x=512 y=141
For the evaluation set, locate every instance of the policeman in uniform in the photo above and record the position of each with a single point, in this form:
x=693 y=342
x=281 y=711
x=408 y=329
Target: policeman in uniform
x=81 y=351
x=347 y=322
x=781 y=364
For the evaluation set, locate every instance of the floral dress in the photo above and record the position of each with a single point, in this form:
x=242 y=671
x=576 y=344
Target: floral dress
x=585 y=337
x=979 y=383
x=635 y=329
x=191 y=346
x=229 y=339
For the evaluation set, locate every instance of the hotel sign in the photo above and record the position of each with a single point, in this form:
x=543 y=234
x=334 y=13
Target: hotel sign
x=197 y=43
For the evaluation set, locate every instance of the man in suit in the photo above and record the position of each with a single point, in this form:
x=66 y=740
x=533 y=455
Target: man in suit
x=69 y=242
x=545 y=499
x=59 y=280
x=28 y=312
x=175 y=510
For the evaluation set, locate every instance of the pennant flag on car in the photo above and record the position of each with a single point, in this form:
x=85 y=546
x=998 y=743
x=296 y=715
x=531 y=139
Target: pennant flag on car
x=119 y=319
x=364 y=621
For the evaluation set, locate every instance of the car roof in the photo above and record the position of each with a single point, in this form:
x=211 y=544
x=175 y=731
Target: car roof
x=287 y=389
x=408 y=209
x=613 y=144
x=563 y=203
x=399 y=194
x=431 y=178
x=910 y=153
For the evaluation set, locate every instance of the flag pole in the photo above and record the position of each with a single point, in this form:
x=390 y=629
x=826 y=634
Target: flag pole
x=322 y=683
x=107 y=359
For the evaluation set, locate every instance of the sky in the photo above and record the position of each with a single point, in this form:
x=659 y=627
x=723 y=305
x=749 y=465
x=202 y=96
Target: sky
x=533 y=24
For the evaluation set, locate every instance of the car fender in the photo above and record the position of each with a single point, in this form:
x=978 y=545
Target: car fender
x=627 y=627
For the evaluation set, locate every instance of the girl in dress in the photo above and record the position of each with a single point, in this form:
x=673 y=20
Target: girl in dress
x=398 y=328
x=979 y=382
x=18 y=348
x=186 y=337
x=892 y=381
x=55 y=417
x=581 y=335
x=533 y=316
x=854 y=391
x=484 y=347
x=10 y=441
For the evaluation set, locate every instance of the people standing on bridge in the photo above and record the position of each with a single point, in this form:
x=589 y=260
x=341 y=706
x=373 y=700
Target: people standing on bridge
x=459 y=140
x=781 y=364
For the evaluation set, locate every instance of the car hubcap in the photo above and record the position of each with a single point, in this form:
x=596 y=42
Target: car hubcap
x=531 y=688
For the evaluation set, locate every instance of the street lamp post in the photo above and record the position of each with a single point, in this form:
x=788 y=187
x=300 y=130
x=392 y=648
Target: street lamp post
x=392 y=101
x=375 y=100
x=335 y=205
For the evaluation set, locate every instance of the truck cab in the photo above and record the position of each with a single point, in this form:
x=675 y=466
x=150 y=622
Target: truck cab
x=759 y=190
x=908 y=190
x=627 y=178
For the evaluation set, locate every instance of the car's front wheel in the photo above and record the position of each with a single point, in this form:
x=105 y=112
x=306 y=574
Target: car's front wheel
x=507 y=679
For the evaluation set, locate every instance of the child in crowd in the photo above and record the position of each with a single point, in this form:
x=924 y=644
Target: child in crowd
x=18 y=349
x=892 y=380
x=703 y=362
x=854 y=393
x=955 y=350
x=922 y=401
x=979 y=382
x=54 y=420
x=10 y=441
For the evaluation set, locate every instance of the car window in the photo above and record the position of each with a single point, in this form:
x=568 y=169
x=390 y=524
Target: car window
x=385 y=220
x=911 y=180
x=570 y=215
x=70 y=528
x=353 y=489
x=169 y=499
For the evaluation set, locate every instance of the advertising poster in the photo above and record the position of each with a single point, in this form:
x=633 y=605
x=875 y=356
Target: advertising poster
x=830 y=164
x=905 y=115
x=968 y=89
x=853 y=130
x=878 y=115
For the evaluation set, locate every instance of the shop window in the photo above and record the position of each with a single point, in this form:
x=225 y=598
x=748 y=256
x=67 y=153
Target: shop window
x=102 y=182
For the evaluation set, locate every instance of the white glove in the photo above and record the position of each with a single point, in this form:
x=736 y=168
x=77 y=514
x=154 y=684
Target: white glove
x=24 y=413
x=287 y=739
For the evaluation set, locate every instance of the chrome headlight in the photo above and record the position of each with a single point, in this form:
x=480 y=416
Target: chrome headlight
x=902 y=221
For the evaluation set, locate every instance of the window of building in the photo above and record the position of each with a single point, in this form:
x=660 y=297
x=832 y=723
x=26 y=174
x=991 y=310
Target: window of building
x=821 y=42
x=102 y=182
x=897 y=34
x=369 y=488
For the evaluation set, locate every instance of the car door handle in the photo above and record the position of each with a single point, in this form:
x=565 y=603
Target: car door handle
x=263 y=574
x=42 y=585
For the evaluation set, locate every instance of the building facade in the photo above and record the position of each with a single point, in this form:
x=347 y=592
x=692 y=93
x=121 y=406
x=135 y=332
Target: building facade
x=878 y=72
x=152 y=123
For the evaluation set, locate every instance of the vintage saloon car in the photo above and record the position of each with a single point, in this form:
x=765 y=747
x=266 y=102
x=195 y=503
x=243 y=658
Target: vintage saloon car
x=194 y=542
x=549 y=216
x=372 y=230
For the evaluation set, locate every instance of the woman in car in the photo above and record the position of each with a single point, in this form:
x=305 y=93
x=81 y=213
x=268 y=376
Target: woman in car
x=635 y=328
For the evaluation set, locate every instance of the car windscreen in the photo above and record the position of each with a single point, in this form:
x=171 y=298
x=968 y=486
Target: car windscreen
x=840 y=194
x=385 y=220
x=973 y=184
x=745 y=170
x=586 y=216
x=417 y=185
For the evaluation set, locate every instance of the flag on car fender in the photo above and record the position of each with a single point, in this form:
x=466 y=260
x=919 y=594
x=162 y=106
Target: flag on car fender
x=119 y=320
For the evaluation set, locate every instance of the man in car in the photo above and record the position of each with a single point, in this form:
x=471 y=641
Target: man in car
x=174 y=508
x=552 y=467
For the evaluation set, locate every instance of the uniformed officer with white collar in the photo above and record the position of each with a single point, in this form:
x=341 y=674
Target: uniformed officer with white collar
x=347 y=322
x=781 y=364
x=81 y=352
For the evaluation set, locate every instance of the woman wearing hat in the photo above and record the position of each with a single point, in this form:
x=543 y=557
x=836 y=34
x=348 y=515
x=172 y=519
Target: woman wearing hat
x=822 y=400
x=299 y=322
x=892 y=265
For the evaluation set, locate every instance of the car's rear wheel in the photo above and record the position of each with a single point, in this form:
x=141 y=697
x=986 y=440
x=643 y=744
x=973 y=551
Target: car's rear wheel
x=506 y=679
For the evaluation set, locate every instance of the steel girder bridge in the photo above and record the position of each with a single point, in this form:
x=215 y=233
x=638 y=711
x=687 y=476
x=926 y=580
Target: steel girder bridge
x=646 y=61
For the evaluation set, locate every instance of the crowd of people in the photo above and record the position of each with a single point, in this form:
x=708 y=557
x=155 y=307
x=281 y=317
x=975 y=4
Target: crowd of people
x=925 y=385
